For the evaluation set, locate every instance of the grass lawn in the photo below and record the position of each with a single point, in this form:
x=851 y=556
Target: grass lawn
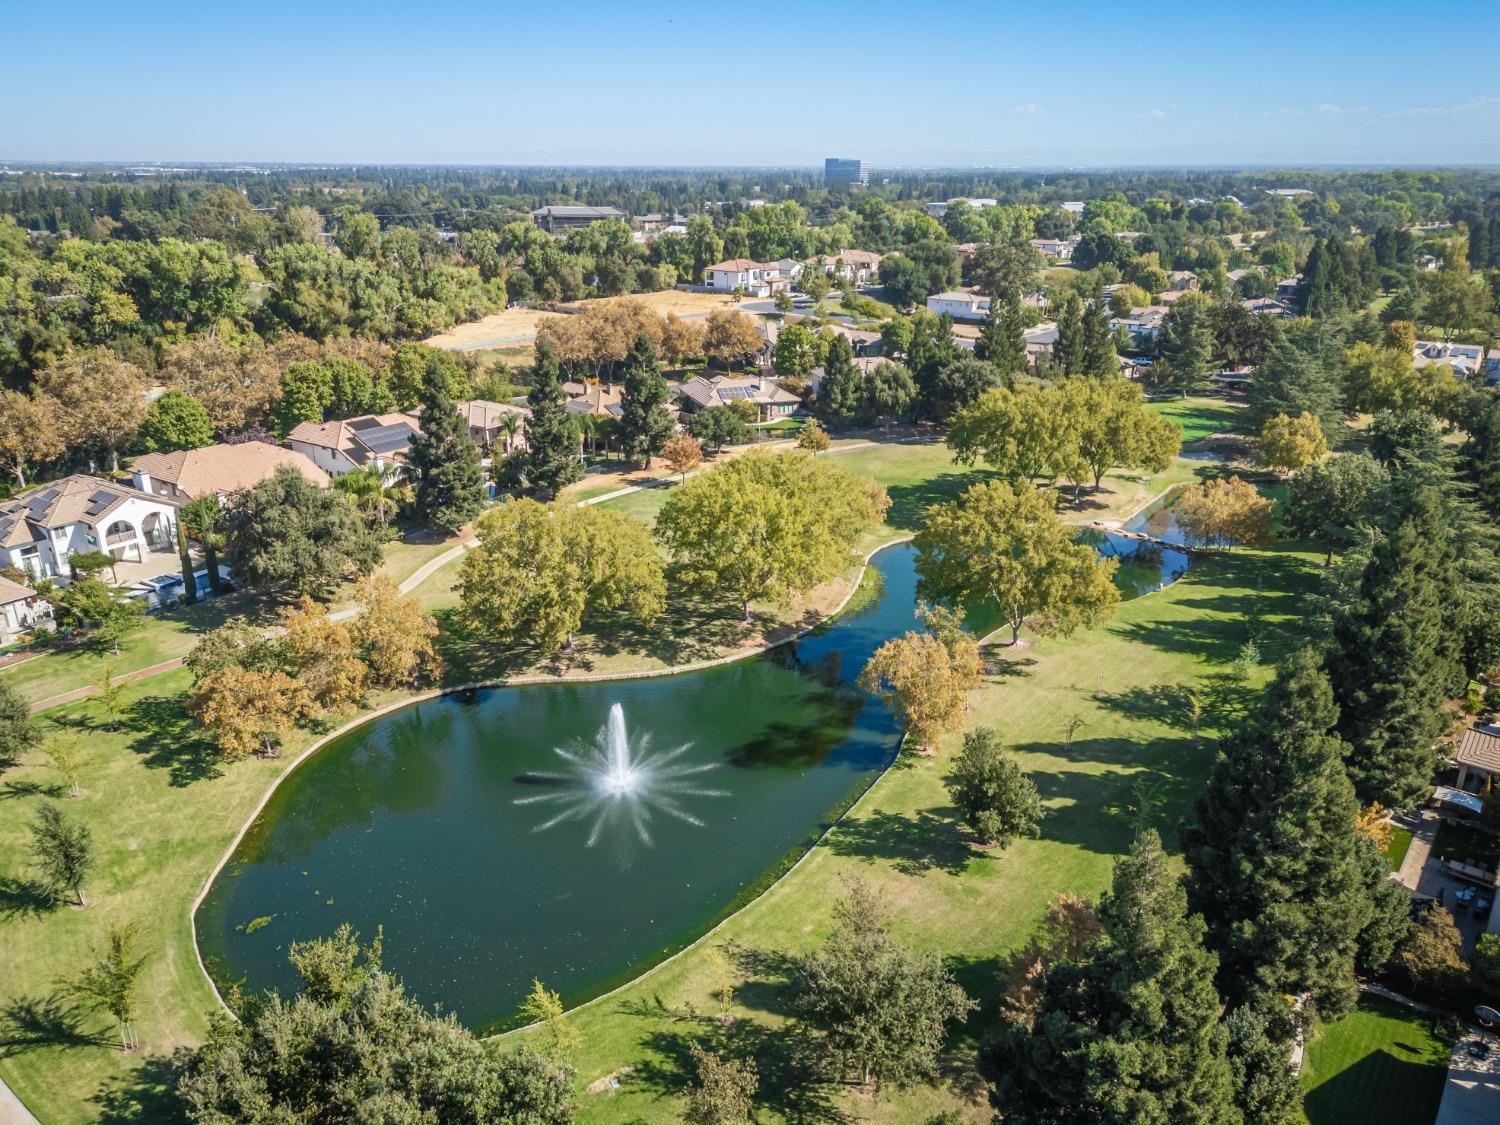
x=406 y=556
x=1380 y=1063
x=1397 y=847
x=1199 y=416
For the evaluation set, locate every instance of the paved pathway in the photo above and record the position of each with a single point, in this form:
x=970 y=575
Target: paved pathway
x=1422 y=837
x=1472 y=1093
x=93 y=689
x=12 y=1111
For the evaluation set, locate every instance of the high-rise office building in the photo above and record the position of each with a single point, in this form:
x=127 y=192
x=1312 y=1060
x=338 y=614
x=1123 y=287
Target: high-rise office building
x=840 y=174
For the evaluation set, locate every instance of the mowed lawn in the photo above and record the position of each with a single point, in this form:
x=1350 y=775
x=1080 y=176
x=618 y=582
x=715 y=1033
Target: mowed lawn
x=1200 y=416
x=1380 y=1063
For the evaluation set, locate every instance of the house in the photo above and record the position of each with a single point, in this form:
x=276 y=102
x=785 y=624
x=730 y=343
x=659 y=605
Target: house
x=859 y=267
x=938 y=210
x=1289 y=192
x=22 y=609
x=1492 y=366
x=371 y=439
x=217 y=470
x=863 y=364
x=1182 y=279
x=488 y=426
x=1286 y=290
x=594 y=399
x=789 y=268
x=1039 y=341
x=1143 y=325
x=1055 y=249
x=44 y=526
x=1266 y=306
x=758 y=279
x=1073 y=206
x=563 y=218
x=959 y=304
x=770 y=399
x=1464 y=360
x=1167 y=296
x=1477 y=756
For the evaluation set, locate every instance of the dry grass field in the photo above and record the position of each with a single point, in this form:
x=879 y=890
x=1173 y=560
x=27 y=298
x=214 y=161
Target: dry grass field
x=519 y=326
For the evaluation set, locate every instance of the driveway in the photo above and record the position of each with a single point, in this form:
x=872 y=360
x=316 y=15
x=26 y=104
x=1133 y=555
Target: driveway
x=1472 y=1094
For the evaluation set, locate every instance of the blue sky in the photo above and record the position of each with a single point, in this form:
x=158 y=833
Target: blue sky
x=645 y=82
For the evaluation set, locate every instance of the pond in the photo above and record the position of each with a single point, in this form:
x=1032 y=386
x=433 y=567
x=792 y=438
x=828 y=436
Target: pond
x=1144 y=566
x=1158 y=520
x=456 y=826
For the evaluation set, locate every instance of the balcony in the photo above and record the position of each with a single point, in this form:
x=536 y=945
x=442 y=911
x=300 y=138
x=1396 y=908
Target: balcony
x=118 y=537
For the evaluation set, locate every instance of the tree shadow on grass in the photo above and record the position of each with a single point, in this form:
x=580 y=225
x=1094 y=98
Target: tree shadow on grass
x=909 y=502
x=167 y=737
x=15 y=790
x=915 y=844
x=56 y=1020
x=146 y=1093
x=24 y=898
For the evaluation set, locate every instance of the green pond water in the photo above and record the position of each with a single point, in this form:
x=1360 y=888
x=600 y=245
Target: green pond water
x=479 y=832
x=433 y=822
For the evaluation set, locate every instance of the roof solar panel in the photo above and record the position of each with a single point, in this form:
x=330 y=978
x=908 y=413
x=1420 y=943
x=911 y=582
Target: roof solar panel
x=386 y=439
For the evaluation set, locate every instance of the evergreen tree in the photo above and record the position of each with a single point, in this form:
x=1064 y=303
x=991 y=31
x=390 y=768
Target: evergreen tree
x=645 y=425
x=1067 y=350
x=1133 y=1034
x=1293 y=380
x=1266 y=1090
x=19 y=732
x=1099 y=355
x=1187 y=345
x=840 y=392
x=552 y=444
x=1393 y=656
x=1271 y=851
x=1002 y=341
x=443 y=464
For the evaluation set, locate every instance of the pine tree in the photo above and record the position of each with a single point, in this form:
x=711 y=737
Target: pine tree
x=444 y=464
x=1393 y=657
x=1099 y=355
x=1002 y=341
x=1187 y=345
x=1067 y=351
x=1290 y=381
x=1133 y=1034
x=552 y=444
x=1266 y=1090
x=645 y=425
x=839 y=393
x=1271 y=851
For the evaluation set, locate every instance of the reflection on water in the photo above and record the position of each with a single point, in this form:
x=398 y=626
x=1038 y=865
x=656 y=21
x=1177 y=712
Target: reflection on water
x=1144 y=566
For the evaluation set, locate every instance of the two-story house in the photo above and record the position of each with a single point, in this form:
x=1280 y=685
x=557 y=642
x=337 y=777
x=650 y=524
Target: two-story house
x=44 y=526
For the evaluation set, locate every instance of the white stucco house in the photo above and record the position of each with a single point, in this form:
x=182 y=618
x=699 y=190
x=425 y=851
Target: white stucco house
x=1144 y=325
x=859 y=267
x=43 y=526
x=373 y=439
x=21 y=610
x=757 y=279
x=959 y=305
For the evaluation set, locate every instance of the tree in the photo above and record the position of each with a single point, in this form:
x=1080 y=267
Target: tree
x=1433 y=953
x=370 y=494
x=1069 y=927
x=288 y=536
x=88 y=601
x=888 y=392
x=722 y=1091
x=185 y=565
x=1133 y=1033
x=176 y=420
x=812 y=438
x=730 y=336
x=31 y=431
x=1007 y=546
x=719 y=426
x=1392 y=659
x=204 y=518
x=545 y=1008
x=1109 y=421
x=683 y=454
x=62 y=851
x=915 y=676
x=1028 y=433
x=1378 y=377
x=443 y=465
x=1486 y=963
x=1329 y=499
x=19 y=733
x=322 y=656
x=102 y=399
x=107 y=693
x=876 y=1008
x=1290 y=444
x=764 y=526
x=536 y=575
x=247 y=711
x=1271 y=851
x=394 y=636
x=1099 y=357
x=1266 y=1090
x=551 y=447
x=840 y=392
x=991 y=791
x=796 y=352
x=1221 y=513
x=1006 y=270
x=110 y=982
x=920 y=270
x=1295 y=380
x=645 y=424
x=1067 y=349
x=1187 y=344
x=290 y=1060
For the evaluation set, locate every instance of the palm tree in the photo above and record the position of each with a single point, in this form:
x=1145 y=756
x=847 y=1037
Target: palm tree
x=511 y=424
x=202 y=517
x=367 y=491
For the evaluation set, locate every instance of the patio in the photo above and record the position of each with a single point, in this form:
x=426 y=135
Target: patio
x=1425 y=873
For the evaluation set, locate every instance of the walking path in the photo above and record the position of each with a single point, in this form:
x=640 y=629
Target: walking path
x=93 y=689
x=1422 y=837
x=12 y=1111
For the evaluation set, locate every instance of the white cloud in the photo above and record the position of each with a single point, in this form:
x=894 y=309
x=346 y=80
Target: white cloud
x=1335 y=110
x=1158 y=113
x=1485 y=105
x=1030 y=109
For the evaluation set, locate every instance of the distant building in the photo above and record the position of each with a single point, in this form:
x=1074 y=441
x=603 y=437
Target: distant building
x=217 y=470
x=566 y=217
x=857 y=266
x=959 y=305
x=755 y=279
x=770 y=400
x=1073 y=206
x=372 y=439
x=841 y=174
x=938 y=210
